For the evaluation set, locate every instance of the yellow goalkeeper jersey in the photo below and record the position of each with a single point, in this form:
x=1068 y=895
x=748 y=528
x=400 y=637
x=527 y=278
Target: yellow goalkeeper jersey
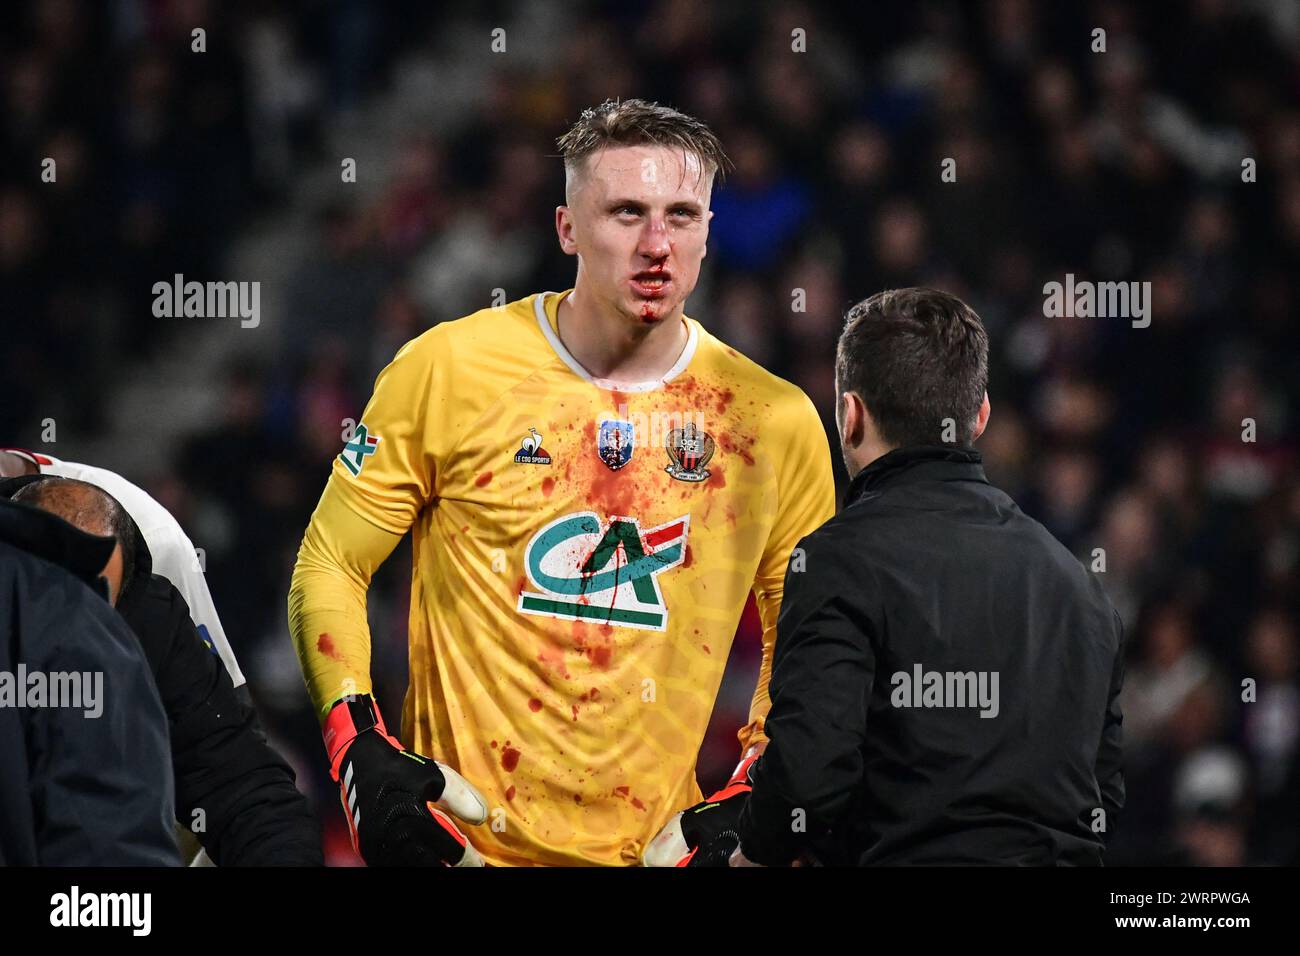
x=582 y=557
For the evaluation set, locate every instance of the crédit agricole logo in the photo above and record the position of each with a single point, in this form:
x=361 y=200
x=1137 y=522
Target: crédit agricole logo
x=587 y=570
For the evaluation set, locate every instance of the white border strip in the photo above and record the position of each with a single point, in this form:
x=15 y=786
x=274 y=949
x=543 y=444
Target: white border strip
x=683 y=360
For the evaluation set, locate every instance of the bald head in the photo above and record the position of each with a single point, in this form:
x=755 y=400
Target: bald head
x=13 y=465
x=95 y=511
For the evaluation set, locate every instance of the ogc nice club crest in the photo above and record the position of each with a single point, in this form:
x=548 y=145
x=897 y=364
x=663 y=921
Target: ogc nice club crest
x=689 y=449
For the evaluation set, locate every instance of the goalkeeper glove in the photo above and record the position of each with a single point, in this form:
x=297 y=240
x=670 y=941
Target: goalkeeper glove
x=705 y=834
x=397 y=801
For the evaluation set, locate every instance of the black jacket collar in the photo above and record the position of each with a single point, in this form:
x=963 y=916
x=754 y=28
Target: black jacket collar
x=916 y=463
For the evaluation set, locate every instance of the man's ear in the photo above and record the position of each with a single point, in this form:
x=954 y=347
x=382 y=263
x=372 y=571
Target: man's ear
x=853 y=414
x=982 y=419
x=564 y=230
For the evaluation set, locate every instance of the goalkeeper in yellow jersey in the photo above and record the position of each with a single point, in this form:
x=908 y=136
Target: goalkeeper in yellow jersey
x=594 y=484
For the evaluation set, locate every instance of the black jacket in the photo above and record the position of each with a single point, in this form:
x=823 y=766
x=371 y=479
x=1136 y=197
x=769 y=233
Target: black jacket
x=927 y=582
x=232 y=790
x=251 y=812
x=75 y=789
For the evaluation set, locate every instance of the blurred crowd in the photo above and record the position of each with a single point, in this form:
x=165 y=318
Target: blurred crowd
x=1165 y=457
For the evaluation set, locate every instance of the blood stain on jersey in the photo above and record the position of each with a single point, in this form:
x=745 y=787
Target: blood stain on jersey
x=553 y=658
x=510 y=759
x=600 y=655
x=325 y=644
x=734 y=447
x=611 y=493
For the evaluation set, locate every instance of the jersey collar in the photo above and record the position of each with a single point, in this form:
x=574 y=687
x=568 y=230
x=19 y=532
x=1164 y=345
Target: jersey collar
x=543 y=308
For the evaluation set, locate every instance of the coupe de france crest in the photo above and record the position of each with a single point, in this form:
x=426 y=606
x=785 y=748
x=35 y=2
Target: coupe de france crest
x=355 y=452
x=608 y=573
x=614 y=441
x=689 y=450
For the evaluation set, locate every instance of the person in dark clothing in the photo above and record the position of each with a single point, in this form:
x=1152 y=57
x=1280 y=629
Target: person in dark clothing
x=946 y=674
x=86 y=784
x=232 y=789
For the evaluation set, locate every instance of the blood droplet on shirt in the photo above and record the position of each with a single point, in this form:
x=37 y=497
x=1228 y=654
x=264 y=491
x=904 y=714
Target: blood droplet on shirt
x=325 y=644
x=510 y=759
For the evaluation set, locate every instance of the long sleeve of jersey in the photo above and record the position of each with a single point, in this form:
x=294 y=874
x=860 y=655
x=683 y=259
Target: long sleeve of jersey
x=806 y=501
x=379 y=483
x=327 y=598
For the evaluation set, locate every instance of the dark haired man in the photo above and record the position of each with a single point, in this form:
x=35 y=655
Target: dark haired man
x=594 y=484
x=946 y=676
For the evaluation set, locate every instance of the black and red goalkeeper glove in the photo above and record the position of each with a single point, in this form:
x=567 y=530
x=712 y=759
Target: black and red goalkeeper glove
x=705 y=834
x=397 y=801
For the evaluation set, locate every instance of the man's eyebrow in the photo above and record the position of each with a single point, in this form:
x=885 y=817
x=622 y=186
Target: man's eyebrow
x=691 y=204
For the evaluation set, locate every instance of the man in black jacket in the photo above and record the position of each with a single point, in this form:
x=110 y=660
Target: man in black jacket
x=232 y=790
x=946 y=674
x=82 y=782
